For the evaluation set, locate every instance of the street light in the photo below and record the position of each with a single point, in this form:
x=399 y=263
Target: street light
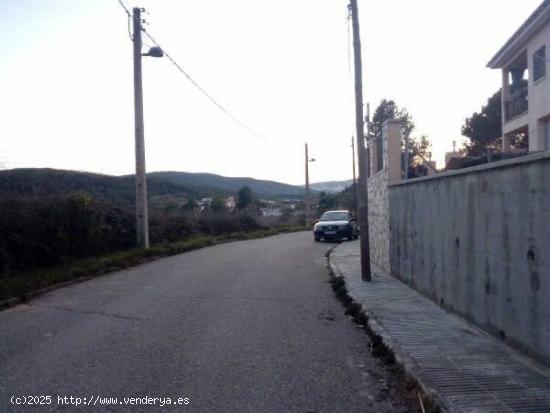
x=154 y=51
x=307 y=218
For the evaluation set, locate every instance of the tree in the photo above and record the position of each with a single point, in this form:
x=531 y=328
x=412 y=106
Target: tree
x=419 y=147
x=190 y=205
x=217 y=204
x=245 y=197
x=420 y=153
x=387 y=109
x=327 y=202
x=485 y=128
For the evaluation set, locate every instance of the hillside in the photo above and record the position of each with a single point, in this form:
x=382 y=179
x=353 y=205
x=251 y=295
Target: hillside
x=37 y=182
x=45 y=182
x=331 y=186
x=227 y=184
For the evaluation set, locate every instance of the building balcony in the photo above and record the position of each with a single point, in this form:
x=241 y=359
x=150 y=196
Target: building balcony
x=516 y=106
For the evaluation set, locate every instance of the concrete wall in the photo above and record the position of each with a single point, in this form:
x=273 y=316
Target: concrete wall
x=476 y=242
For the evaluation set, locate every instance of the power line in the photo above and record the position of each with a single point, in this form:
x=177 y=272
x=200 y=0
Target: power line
x=129 y=18
x=194 y=82
x=204 y=92
x=125 y=8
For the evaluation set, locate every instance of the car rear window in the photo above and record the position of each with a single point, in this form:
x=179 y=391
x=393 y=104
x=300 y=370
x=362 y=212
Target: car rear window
x=335 y=216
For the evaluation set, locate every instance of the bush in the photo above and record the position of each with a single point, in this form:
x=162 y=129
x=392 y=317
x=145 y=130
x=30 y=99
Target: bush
x=171 y=226
x=226 y=223
x=37 y=233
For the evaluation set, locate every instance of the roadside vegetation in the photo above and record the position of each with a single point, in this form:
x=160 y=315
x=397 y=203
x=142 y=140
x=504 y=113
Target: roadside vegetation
x=22 y=286
x=419 y=145
x=53 y=239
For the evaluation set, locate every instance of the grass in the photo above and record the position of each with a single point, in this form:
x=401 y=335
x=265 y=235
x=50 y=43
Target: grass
x=22 y=287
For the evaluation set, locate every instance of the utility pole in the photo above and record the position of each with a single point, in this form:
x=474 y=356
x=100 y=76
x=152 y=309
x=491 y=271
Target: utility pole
x=306 y=201
x=406 y=160
x=362 y=189
x=354 y=179
x=367 y=138
x=142 y=216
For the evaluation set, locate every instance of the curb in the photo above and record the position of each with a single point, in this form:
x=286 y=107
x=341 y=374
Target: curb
x=393 y=352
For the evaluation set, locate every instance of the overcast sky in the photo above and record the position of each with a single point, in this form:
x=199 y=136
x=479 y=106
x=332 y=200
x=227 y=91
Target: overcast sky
x=280 y=66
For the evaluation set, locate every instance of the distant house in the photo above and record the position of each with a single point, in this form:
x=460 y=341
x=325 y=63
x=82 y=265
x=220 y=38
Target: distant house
x=271 y=211
x=230 y=203
x=204 y=204
x=525 y=85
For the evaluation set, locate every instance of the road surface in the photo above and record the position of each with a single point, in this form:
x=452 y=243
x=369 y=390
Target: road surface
x=249 y=326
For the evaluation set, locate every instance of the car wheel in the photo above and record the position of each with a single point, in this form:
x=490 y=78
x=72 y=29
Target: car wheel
x=317 y=239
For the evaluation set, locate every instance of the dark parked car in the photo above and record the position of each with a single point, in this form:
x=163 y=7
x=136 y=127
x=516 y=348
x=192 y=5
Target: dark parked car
x=336 y=225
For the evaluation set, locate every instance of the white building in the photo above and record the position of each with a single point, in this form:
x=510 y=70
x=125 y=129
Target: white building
x=525 y=85
x=230 y=203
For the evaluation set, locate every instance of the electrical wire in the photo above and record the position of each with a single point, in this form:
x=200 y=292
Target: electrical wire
x=125 y=8
x=129 y=18
x=204 y=92
x=130 y=31
x=193 y=81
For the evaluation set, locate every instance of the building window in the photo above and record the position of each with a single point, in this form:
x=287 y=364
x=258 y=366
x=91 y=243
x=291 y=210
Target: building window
x=539 y=64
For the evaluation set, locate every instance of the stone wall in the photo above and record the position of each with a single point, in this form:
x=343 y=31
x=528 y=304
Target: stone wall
x=476 y=241
x=379 y=230
x=381 y=176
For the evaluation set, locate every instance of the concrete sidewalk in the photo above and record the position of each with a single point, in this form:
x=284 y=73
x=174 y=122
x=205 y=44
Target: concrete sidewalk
x=462 y=367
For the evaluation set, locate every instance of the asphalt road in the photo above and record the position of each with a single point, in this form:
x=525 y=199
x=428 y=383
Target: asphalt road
x=249 y=326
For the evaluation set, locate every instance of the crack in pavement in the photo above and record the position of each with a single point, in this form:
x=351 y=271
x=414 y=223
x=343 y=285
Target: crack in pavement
x=93 y=312
x=230 y=298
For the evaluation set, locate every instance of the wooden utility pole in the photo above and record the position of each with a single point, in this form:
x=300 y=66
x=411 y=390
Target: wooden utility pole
x=406 y=160
x=306 y=200
x=362 y=189
x=367 y=139
x=354 y=178
x=142 y=218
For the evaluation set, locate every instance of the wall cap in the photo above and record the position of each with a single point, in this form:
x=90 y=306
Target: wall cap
x=377 y=174
x=507 y=163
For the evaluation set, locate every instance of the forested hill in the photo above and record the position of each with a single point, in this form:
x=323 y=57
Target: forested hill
x=205 y=181
x=55 y=182
x=38 y=182
x=331 y=186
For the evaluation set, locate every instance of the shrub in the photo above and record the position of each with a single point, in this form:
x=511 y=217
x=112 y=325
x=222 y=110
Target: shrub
x=37 y=233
